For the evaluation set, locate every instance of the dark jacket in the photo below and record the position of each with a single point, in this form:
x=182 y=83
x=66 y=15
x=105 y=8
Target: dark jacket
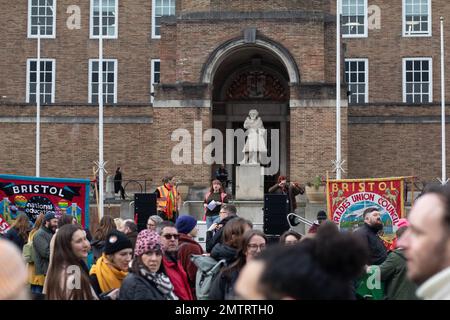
x=117 y=181
x=13 y=235
x=393 y=273
x=223 y=251
x=98 y=246
x=377 y=250
x=214 y=238
x=222 y=287
x=136 y=287
x=186 y=248
x=41 y=246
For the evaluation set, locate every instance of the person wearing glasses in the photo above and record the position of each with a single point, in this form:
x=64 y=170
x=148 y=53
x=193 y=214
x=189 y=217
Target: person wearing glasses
x=172 y=265
x=222 y=288
x=147 y=279
x=214 y=234
x=153 y=222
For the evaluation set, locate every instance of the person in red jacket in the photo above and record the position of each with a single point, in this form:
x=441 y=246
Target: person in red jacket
x=174 y=269
x=187 y=228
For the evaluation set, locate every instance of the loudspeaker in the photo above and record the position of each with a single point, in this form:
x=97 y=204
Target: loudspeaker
x=144 y=207
x=276 y=209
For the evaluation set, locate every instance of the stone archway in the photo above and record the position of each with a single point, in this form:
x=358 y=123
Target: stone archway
x=252 y=76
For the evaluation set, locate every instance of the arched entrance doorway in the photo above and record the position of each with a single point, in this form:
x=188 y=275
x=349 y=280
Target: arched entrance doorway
x=253 y=77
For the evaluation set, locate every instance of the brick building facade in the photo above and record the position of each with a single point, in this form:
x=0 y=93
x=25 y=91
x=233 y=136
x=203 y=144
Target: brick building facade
x=209 y=54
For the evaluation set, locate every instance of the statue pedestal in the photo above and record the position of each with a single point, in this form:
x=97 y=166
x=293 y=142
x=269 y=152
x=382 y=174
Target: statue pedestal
x=249 y=182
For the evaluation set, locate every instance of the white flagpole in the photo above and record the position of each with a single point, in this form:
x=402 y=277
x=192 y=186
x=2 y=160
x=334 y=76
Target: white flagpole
x=338 y=89
x=100 y=114
x=38 y=104
x=444 y=175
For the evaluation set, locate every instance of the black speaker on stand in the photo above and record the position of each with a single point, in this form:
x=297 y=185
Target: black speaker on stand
x=144 y=207
x=276 y=209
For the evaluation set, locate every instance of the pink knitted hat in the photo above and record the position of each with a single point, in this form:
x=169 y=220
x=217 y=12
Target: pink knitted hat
x=147 y=240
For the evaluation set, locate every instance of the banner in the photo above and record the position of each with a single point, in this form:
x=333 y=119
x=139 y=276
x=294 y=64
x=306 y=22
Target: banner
x=34 y=196
x=347 y=200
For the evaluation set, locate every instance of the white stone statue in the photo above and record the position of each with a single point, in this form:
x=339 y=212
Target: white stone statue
x=255 y=142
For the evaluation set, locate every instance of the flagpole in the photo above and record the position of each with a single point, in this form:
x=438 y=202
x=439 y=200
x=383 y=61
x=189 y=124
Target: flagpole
x=444 y=175
x=38 y=104
x=100 y=114
x=338 y=90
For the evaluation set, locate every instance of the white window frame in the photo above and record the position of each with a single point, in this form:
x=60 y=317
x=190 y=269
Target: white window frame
x=53 y=35
x=90 y=78
x=365 y=24
x=430 y=77
x=155 y=36
x=366 y=75
x=53 y=61
x=152 y=80
x=405 y=32
x=91 y=22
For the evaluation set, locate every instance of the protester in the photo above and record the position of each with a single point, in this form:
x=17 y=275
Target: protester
x=291 y=189
x=68 y=266
x=131 y=230
x=321 y=268
x=120 y=224
x=214 y=233
x=112 y=267
x=222 y=175
x=290 y=237
x=214 y=198
x=222 y=288
x=172 y=265
x=393 y=273
x=18 y=233
x=147 y=279
x=321 y=217
x=232 y=240
x=426 y=244
x=153 y=222
x=118 y=183
x=107 y=225
x=169 y=200
x=36 y=281
x=13 y=273
x=41 y=246
x=368 y=233
x=187 y=228
x=63 y=220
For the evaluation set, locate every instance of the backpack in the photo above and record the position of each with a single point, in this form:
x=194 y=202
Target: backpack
x=207 y=269
x=28 y=253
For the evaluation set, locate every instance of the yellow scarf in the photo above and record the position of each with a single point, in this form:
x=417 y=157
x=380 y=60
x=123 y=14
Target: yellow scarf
x=108 y=276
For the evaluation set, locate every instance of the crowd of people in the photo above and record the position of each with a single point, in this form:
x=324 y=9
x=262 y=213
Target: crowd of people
x=59 y=260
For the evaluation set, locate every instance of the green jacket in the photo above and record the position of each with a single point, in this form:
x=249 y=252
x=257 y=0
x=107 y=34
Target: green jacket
x=393 y=275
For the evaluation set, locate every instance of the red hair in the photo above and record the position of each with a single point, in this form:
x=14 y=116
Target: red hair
x=211 y=189
x=281 y=178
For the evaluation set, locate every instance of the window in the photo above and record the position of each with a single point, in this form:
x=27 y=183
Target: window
x=109 y=80
x=161 y=8
x=354 y=18
x=109 y=19
x=416 y=18
x=47 y=80
x=156 y=76
x=41 y=13
x=357 y=78
x=417 y=80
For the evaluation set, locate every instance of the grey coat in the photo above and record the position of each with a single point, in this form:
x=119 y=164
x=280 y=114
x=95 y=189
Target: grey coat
x=41 y=246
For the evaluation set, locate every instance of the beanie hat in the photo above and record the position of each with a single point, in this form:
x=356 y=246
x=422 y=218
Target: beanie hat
x=116 y=241
x=13 y=271
x=402 y=223
x=185 y=224
x=49 y=216
x=322 y=215
x=147 y=240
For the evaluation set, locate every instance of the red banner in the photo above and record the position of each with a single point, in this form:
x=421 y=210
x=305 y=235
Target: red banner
x=34 y=196
x=347 y=200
